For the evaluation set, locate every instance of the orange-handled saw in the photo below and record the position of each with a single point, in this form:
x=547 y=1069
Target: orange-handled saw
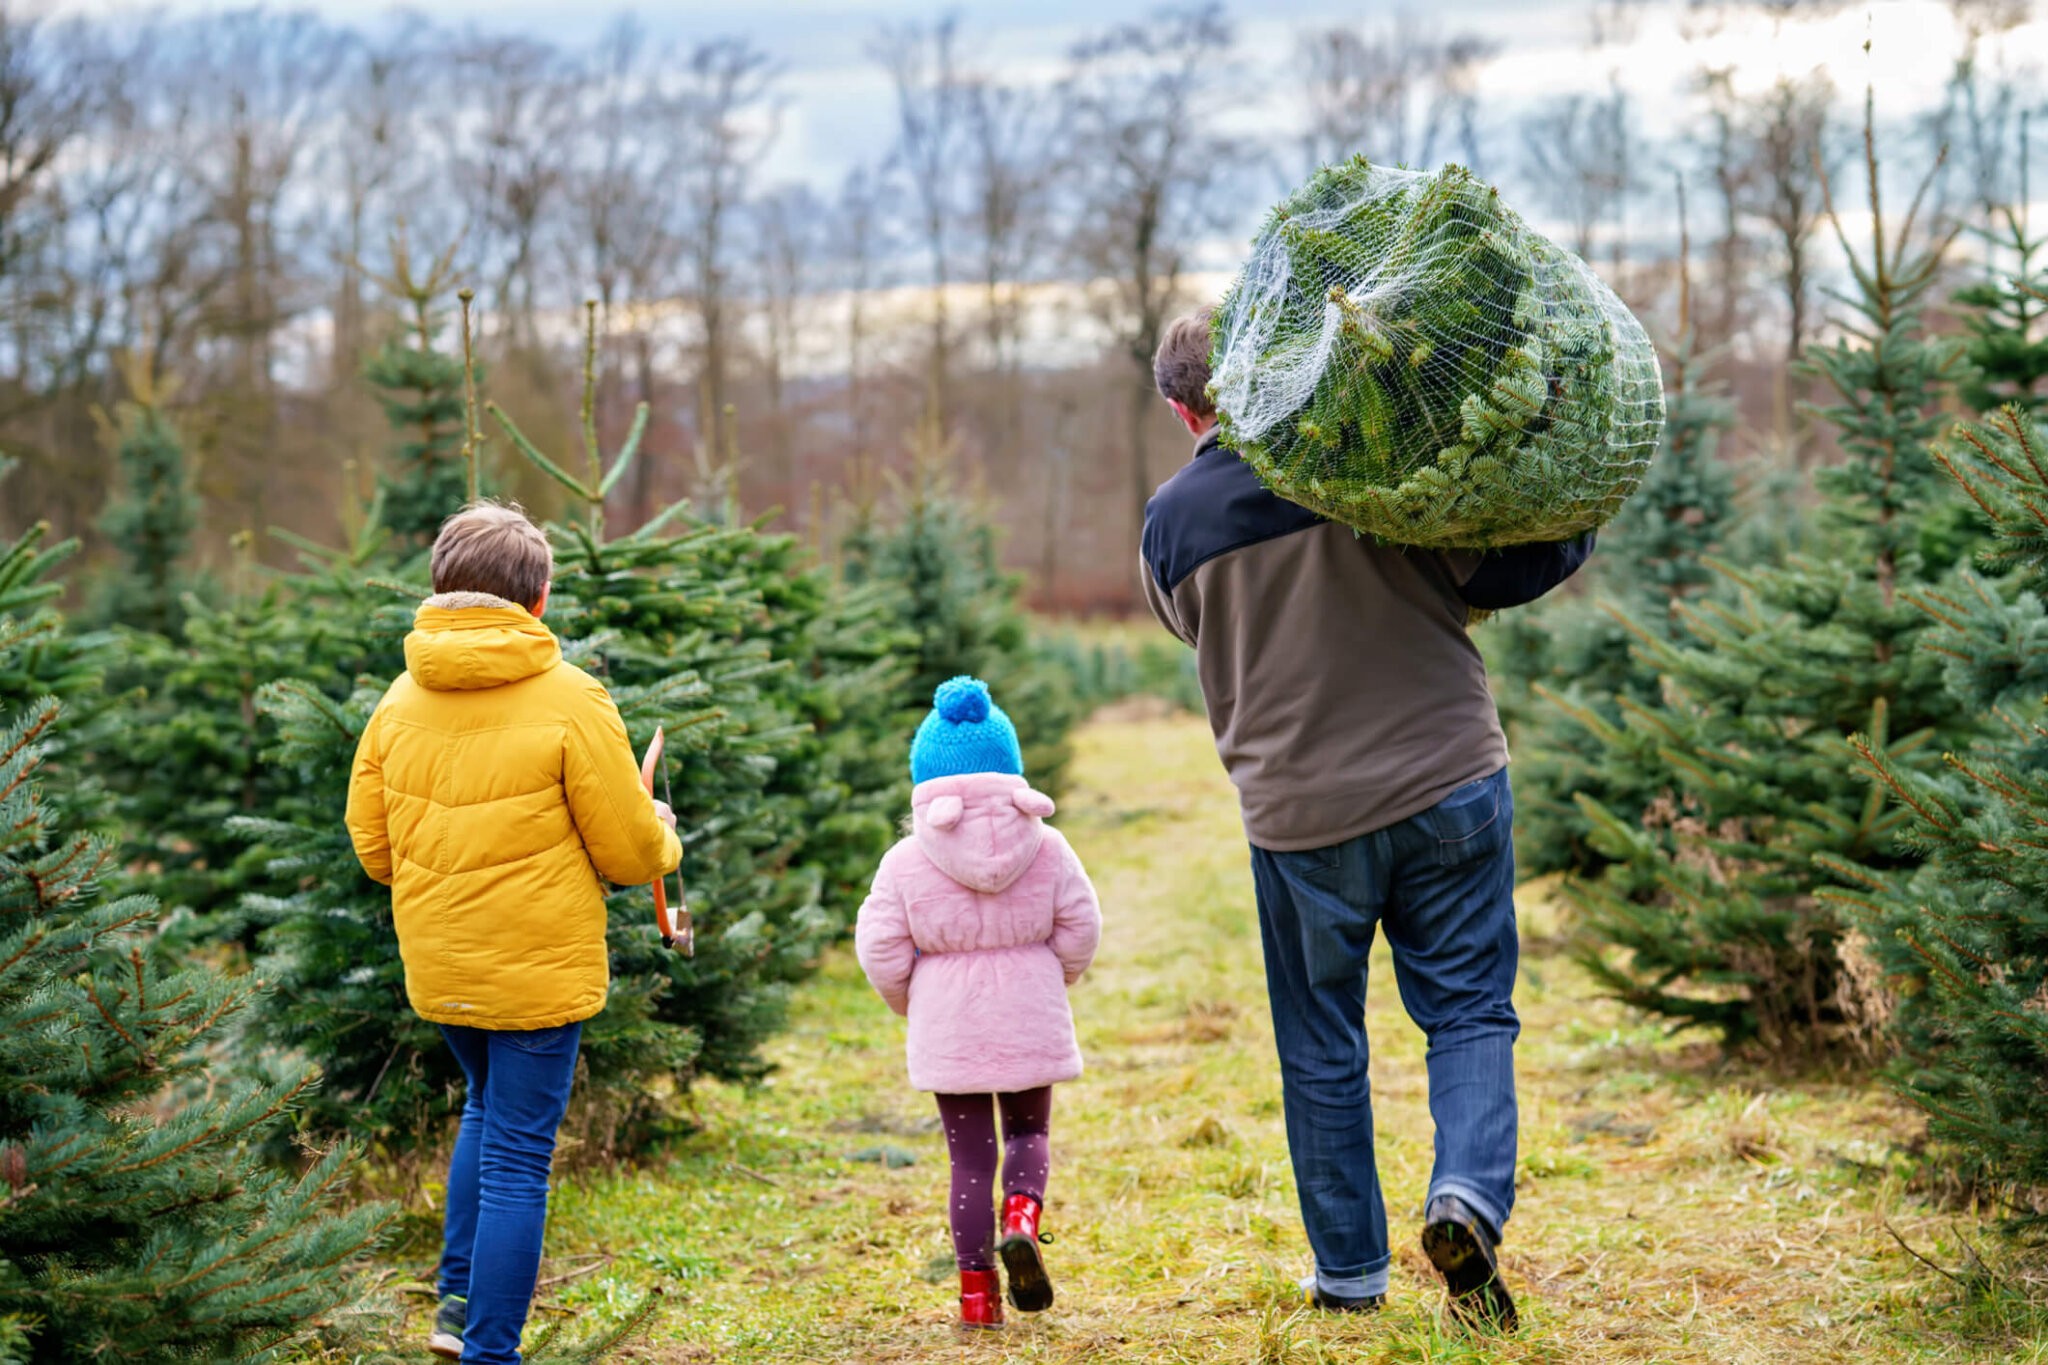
x=676 y=930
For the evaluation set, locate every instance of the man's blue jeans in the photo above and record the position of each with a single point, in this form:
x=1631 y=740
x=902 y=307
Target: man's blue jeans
x=1442 y=883
x=498 y=1178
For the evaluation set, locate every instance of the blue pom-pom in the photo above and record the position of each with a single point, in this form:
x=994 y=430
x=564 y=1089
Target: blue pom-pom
x=963 y=700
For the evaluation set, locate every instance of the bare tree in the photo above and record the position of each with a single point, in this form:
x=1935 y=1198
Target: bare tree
x=726 y=118
x=1008 y=136
x=784 y=236
x=509 y=161
x=922 y=65
x=621 y=211
x=371 y=147
x=1710 y=15
x=1792 y=151
x=44 y=104
x=1726 y=160
x=1977 y=120
x=1009 y=133
x=53 y=96
x=1144 y=161
x=1399 y=95
x=1577 y=154
x=857 y=249
x=261 y=81
x=621 y=236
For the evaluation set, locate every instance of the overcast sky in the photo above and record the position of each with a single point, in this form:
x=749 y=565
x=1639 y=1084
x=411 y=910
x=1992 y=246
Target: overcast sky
x=839 y=105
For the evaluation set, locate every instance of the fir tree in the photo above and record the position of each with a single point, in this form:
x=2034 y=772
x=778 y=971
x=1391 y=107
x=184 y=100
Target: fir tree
x=193 y=752
x=771 y=690
x=422 y=392
x=1712 y=899
x=938 y=562
x=717 y=633
x=135 y=1221
x=1960 y=947
x=2004 y=312
x=151 y=518
x=1580 y=654
x=41 y=656
x=38 y=656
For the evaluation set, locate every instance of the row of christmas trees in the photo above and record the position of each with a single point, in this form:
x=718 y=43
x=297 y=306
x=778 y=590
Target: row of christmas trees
x=1793 y=768
x=199 y=987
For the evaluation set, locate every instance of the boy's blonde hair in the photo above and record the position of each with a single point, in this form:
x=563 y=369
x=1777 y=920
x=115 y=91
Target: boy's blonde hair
x=491 y=547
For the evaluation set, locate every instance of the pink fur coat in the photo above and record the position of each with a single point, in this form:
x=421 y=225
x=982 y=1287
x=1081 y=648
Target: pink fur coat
x=977 y=924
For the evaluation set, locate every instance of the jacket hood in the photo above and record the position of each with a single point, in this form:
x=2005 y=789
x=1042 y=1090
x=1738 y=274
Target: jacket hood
x=981 y=829
x=464 y=642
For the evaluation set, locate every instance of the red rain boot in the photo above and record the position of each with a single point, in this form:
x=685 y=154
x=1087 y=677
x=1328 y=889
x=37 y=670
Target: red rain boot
x=1030 y=1287
x=981 y=1299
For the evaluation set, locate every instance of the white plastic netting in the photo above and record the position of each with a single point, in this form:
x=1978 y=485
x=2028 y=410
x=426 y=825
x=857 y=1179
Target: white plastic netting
x=1403 y=354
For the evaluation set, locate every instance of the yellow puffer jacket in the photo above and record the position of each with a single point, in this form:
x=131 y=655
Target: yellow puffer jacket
x=494 y=791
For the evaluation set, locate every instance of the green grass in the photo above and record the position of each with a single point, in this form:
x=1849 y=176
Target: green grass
x=1672 y=1208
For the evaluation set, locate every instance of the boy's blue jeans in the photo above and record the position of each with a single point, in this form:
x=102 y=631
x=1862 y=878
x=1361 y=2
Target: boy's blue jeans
x=1442 y=883
x=498 y=1178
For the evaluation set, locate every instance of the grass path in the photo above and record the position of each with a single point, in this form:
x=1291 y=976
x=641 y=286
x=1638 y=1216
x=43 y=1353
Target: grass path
x=1671 y=1210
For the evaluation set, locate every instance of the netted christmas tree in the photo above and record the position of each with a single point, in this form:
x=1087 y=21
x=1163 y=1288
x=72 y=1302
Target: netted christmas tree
x=935 y=558
x=1957 y=952
x=136 y=1221
x=1709 y=915
x=1403 y=354
x=153 y=513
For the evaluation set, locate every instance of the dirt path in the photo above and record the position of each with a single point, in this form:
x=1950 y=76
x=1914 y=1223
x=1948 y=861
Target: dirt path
x=1670 y=1210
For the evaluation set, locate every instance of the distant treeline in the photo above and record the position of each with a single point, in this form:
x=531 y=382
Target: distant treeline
x=217 y=198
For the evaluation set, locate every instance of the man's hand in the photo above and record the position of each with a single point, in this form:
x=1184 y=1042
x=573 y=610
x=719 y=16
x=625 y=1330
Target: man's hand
x=664 y=814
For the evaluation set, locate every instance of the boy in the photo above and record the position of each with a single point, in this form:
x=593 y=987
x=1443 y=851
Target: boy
x=494 y=791
x=1352 y=712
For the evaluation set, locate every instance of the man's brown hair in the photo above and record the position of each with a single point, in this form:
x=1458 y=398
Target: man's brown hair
x=491 y=547
x=1180 y=368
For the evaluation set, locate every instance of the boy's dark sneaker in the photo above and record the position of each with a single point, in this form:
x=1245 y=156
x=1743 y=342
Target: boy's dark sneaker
x=1030 y=1286
x=1319 y=1297
x=449 y=1322
x=1461 y=1246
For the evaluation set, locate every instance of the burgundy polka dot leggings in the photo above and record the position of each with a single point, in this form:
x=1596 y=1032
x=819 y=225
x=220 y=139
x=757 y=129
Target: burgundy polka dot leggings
x=970 y=1124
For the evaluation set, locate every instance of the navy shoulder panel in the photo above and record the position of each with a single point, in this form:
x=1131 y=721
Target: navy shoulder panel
x=1517 y=576
x=1215 y=504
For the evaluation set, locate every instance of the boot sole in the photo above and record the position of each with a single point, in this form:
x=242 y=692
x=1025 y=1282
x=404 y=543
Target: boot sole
x=1478 y=1295
x=445 y=1346
x=1030 y=1286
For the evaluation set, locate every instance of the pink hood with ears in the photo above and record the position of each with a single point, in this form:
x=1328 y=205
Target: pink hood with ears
x=976 y=926
x=981 y=829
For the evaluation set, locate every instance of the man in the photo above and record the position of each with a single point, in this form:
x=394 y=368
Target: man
x=1351 y=709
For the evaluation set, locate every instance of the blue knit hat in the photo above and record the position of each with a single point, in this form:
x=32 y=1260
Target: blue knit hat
x=965 y=733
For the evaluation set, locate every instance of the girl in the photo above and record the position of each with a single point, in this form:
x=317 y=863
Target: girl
x=977 y=924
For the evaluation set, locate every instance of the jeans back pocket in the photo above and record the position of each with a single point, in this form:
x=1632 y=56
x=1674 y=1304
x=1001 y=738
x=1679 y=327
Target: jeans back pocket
x=1468 y=823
